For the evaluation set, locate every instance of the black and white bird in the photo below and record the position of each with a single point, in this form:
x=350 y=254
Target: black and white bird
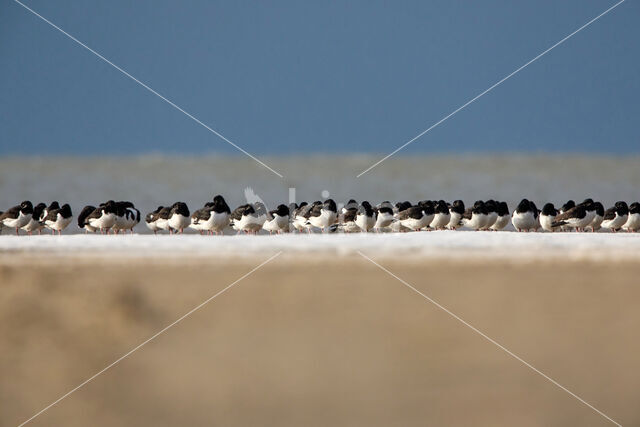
x=103 y=217
x=492 y=213
x=214 y=217
x=384 y=216
x=502 y=210
x=221 y=213
x=414 y=218
x=35 y=223
x=569 y=205
x=151 y=220
x=598 y=217
x=399 y=207
x=365 y=217
x=441 y=217
x=429 y=209
x=162 y=218
x=616 y=216
x=633 y=222
x=236 y=215
x=252 y=218
x=199 y=217
x=547 y=216
x=576 y=217
x=179 y=217
x=53 y=205
x=299 y=216
x=127 y=217
x=277 y=220
x=590 y=209
x=456 y=210
x=17 y=216
x=348 y=217
x=83 y=224
x=324 y=216
x=59 y=219
x=475 y=217
x=525 y=217
x=536 y=214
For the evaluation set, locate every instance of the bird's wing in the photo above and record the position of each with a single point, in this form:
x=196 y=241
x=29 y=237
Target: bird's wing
x=610 y=214
x=11 y=213
x=251 y=196
x=565 y=215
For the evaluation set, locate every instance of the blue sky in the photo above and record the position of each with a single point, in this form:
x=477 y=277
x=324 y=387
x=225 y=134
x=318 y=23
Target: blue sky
x=283 y=77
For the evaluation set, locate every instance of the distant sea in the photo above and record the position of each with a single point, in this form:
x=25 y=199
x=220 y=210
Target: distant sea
x=152 y=180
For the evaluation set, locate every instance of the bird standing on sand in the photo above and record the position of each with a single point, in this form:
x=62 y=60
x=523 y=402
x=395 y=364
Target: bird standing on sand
x=179 y=218
x=348 y=217
x=299 y=216
x=456 y=210
x=103 y=217
x=277 y=220
x=151 y=220
x=598 y=217
x=616 y=216
x=214 y=217
x=525 y=216
x=476 y=217
x=429 y=210
x=35 y=223
x=127 y=217
x=17 y=216
x=547 y=216
x=575 y=217
x=413 y=218
x=441 y=217
x=492 y=213
x=323 y=215
x=59 y=219
x=365 y=217
x=384 y=216
x=503 y=216
x=252 y=218
x=53 y=205
x=633 y=222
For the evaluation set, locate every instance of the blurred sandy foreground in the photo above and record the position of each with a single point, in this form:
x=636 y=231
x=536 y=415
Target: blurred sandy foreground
x=317 y=342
